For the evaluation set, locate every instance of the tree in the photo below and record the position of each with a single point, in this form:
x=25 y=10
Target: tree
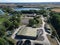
x=42 y=11
x=16 y=24
x=13 y=18
x=3 y=42
x=45 y=15
x=18 y=18
x=12 y=22
x=36 y=21
x=9 y=10
x=55 y=21
x=31 y=22
x=6 y=23
x=2 y=31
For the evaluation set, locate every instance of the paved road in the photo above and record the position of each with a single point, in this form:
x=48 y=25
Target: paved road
x=42 y=35
x=16 y=30
x=46 y=39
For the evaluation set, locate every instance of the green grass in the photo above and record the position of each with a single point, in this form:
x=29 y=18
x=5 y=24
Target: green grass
x=1 y=20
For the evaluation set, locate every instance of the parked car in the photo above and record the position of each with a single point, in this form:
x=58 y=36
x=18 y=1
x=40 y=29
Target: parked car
x=19 y=42
x=38 y=44
x=27 y=42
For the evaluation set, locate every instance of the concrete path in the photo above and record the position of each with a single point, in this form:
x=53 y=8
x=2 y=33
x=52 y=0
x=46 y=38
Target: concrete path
x=16 y=30
x=46 y=39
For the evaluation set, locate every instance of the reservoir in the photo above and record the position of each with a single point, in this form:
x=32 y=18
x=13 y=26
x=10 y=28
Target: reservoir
x=20 y=9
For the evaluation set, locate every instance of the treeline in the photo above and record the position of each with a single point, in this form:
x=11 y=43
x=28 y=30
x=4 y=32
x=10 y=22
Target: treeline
x=12 y=23
x=55 y=21
x=11 y=11
x=33 y=22
x=33 y=11
x=9 y=24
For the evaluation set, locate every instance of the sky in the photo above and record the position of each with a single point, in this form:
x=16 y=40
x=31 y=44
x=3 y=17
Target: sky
x=29 y=0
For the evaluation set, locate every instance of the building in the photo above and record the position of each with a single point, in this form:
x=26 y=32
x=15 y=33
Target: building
x=31 y=15
x=27 y=33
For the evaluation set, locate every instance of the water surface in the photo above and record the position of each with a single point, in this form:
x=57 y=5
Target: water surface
x=20 y=9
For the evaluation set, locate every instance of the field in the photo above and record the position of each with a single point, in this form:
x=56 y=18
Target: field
x=56 y=9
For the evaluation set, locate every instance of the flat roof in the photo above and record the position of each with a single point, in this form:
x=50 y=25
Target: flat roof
x=28 y=31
